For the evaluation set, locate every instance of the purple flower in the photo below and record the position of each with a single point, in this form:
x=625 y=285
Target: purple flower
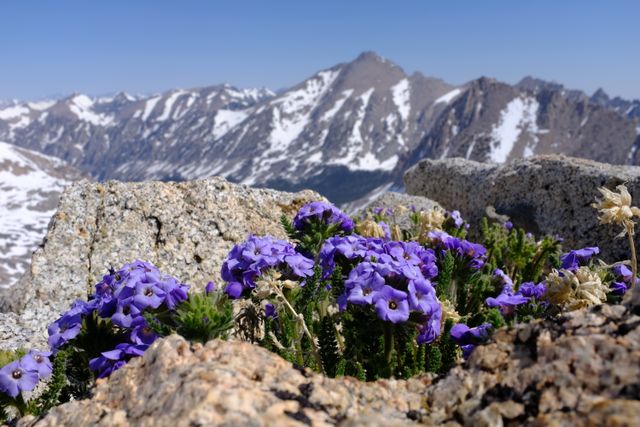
x=39 y=362
x=574 y=259
x=107 y=362
x=507 y=302
x=210 y=288
x=125 y=314
x=234 y=289
x=15 y=377
x=300 y=265
x=422 y=297
x=473 y=253
x=392 y=305
x=508 y=225
x=148 y=295
x=110 y=361
x=457 y=218
x=462 y=334
x=341 y=250
x=143 y=334
x=623 y=272
x=270 y=311
x=363 y=284
x=431 y=328
x=175 y=292
x=323 y=213
x=618 y=288
x=66 y=328
x=623 y=279
x=531 y=290
x=246 y=262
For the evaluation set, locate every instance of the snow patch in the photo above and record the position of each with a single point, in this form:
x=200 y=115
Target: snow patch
x=41 y=105
x=448 y=97
x=519 y=115
x=80 y=105
x=328 y=115
x=292 y=110
x=168 y=105
x=13 y=112
x=149 y=105
x=401 y=97
x=225 y=120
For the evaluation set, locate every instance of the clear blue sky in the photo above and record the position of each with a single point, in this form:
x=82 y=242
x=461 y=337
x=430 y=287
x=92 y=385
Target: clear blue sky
x=142 y=46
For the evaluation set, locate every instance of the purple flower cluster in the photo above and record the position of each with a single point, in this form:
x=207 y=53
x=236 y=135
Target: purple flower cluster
x=455 y=216
x=23 y=374
x=508 y=300
x=323 y=213
x=468 y=338
x=122 y=297
x=574 y=259
x=623 y=279
x=393 y=277
x=352 y=249
x=474 y=253
x=247 y=261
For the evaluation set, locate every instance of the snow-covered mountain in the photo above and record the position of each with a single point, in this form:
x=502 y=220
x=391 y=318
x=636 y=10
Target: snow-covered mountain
x=30 y=186
x=346 y=131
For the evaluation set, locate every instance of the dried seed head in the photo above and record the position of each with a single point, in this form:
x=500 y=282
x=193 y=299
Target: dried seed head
x=615 y=208
x=574 y=290
x=370 y=228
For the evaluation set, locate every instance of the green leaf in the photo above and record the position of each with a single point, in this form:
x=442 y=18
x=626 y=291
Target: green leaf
x=204 y=317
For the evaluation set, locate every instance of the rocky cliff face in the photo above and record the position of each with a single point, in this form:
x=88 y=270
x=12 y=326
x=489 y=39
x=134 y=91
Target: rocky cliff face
x=186 y=229
x=577 y=370
x=346 y=131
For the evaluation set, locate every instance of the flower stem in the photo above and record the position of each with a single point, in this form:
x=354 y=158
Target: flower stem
x=635 y=291
x=303 y=324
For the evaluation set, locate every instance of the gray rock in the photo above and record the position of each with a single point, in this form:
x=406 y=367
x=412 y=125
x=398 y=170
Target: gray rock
x=186 y=229
x=546 y=194
x=580 y=369
x=393 y=200
x=233 y=383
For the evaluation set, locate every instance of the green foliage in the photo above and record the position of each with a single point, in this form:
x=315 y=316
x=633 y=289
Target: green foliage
x=329 y=350
x=311 y=239
x=56 y=386
x=288 y=226
x=446 y=268
x=433 y=358
x=201 y=318
x=8 y=356
x=448 y=348
x=519 y=255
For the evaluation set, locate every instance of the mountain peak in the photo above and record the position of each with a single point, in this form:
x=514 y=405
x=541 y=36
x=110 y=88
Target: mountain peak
x=369 y=55
x=370 y=69
x=600 y=96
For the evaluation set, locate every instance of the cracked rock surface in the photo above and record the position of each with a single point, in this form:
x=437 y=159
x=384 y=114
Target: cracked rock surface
x=185 y=228
x=578 y=370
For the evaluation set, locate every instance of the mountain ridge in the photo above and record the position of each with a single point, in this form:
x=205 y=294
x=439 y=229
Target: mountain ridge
x=346 y=131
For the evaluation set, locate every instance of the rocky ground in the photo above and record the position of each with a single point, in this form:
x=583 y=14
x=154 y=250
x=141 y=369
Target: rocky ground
x=580 y=370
